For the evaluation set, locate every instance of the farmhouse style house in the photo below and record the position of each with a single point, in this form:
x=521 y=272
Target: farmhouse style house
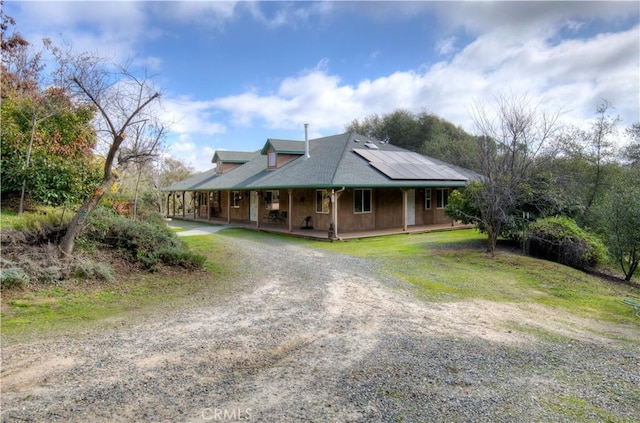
x=339 y=184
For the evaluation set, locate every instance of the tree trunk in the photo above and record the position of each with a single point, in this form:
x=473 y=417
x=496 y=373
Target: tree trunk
x=77 y=222
x=632 y=270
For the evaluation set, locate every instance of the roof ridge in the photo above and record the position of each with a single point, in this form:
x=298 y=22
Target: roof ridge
x=344 y=150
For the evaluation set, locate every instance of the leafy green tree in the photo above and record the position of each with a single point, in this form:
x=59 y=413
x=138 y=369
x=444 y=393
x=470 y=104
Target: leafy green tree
x=618 y=218
x=50 y=159
x=424 y=133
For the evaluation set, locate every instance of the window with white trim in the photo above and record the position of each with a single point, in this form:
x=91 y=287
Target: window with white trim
x=442 y=198
x=272 y=200
x=323 y=201
x=427 y=199
x=362 y=201
x=235 y=199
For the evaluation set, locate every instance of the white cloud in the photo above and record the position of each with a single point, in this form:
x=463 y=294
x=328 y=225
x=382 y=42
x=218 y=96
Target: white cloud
x=573 y=75
x=447 y=45
x=191 y=117
x=191 y=153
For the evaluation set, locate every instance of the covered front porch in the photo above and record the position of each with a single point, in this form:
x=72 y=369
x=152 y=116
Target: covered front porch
x=317 y=234
x=318 y=213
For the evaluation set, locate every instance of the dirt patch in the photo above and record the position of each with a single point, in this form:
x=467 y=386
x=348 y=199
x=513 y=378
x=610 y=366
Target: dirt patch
x=316 y=336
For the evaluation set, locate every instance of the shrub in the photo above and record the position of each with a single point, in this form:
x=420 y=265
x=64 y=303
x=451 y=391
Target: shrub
x=13 y=277
x=185 y=259
x=146 y=243
x=90 y=269
x=560 y=239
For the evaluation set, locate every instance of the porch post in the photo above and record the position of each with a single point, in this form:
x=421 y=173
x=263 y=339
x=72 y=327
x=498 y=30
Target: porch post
x=405 y=202
x=195 y=197
x=173 y=204
x=184 y=204
x=228 y=207
x=208 y=205
x=259 y=205
x=167 y=209
x=290 y=210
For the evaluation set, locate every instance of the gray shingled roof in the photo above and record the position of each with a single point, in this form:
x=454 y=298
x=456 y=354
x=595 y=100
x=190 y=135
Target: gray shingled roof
x=284 y=146
x=333 y=164
x=226 y=156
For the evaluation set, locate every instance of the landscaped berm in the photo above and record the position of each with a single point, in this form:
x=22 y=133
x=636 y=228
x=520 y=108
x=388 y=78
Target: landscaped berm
x=420 y=327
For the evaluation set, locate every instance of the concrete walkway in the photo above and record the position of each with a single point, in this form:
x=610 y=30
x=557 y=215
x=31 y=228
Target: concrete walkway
x=193 y=229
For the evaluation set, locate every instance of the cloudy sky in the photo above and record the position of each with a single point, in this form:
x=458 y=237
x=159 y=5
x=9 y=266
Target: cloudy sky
x=233 y=74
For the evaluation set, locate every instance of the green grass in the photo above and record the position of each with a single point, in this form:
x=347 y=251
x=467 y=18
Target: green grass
x=453 y=266
x=8 y=218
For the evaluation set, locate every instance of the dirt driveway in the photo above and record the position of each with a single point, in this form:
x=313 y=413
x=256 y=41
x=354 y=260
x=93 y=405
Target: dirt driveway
x=318 y=337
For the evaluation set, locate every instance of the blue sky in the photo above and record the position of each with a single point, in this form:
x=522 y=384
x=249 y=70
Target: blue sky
x=233 y=74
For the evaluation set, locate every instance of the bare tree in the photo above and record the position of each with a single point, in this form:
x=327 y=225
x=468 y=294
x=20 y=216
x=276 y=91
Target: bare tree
x=600 y=148
x=123 y=102
x=142 y=153
x=513 y=133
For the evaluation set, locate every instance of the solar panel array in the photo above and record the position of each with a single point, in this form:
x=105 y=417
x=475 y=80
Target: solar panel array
x=401 y=165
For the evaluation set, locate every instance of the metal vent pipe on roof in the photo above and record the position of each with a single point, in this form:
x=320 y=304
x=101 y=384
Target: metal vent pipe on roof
x=306 y=141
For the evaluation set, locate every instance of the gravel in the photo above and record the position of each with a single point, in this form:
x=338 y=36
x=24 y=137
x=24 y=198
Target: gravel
x=314 y=336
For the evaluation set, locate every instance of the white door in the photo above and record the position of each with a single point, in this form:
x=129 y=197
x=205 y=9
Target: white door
x=411 y=207
x=253 y=206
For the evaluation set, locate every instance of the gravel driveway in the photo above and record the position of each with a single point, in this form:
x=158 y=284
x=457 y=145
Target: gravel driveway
x=318 y=337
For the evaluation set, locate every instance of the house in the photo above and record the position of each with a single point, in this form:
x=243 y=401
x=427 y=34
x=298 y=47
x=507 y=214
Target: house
x=338 y=184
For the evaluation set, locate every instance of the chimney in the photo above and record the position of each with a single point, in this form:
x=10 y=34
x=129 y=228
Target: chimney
x=306 y=142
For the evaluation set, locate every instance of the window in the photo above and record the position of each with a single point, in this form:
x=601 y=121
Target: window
x=442 y=198
x=235 y=199
x=427 y=199
x=272 y=200
x=323 y=200
x=362 y=201
x=272 y=159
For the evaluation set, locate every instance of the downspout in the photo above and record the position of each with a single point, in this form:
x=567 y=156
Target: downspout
x=334 y=205
x=405 y=208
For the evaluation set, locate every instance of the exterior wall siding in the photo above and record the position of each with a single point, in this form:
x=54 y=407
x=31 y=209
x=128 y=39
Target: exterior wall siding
x=386 y=209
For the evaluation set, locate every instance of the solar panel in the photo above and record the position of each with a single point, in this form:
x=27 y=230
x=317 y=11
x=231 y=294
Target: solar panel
x=402 y=165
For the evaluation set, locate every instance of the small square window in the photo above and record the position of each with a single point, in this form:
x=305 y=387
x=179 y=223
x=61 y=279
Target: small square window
x=442 y=198
x=362 y=201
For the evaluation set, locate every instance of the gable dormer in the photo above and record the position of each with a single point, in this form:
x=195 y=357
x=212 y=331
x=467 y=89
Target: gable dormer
x=229 y=160
x=281 y=152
